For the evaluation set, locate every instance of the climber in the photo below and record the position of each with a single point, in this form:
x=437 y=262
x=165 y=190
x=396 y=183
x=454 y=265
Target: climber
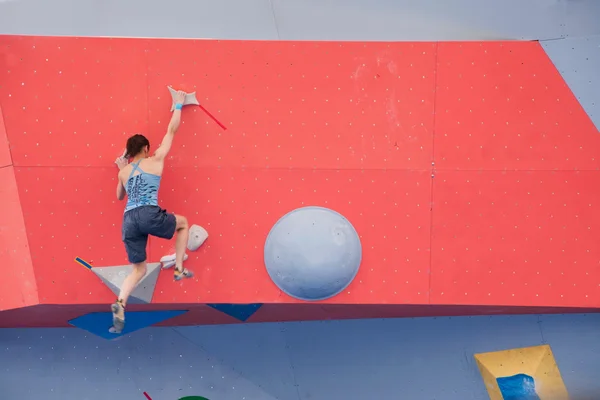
x=140 y=180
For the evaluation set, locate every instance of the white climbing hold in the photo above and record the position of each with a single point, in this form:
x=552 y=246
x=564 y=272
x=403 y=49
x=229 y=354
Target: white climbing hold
x=197 y=236
x=190 y=98
x=169 y=260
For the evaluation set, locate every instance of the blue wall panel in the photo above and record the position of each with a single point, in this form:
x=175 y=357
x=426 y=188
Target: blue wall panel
x=412 y=358
x=575 y=343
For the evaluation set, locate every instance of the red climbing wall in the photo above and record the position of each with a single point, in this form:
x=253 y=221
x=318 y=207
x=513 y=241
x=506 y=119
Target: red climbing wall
x=17 y=279
x=346 y=126
x=468 y=169
x=5 y=158
x=322 y=124
x=17 y=283
x=517 y=187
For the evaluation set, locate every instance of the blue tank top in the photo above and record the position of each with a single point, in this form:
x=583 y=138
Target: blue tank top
x=142 y=189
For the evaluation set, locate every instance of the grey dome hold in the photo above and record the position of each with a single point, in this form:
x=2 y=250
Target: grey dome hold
x=312 y=253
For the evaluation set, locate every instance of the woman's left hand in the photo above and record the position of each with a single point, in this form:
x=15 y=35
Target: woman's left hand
x=122 y=162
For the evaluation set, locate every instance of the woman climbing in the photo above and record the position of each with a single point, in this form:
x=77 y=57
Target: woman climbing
x=140 y=180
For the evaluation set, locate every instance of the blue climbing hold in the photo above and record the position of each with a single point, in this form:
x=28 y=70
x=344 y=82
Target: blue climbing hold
x=239 y=311
x=312 y=253
x=517 y=387
x=98 y=323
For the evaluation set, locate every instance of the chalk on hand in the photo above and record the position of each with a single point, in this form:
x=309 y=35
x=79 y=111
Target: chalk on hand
x=196 y=237
x=190 y=98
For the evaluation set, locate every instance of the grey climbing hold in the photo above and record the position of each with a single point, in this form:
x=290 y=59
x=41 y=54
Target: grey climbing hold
x=312 y=253
x=113 y=277
x=190 y=98
x=196 y=237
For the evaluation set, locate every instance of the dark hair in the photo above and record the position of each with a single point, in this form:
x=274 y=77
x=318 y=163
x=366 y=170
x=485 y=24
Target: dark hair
x=136 y=144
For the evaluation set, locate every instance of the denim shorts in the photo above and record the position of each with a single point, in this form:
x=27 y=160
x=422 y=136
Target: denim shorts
x=142 y=221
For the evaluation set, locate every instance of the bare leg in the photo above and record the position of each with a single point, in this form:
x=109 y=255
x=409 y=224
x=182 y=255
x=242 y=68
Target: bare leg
x=139 y=270
x=181 y=240
x=118 y=308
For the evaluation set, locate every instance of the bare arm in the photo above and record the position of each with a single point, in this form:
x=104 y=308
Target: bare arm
x=120 y=189
x=167 y=142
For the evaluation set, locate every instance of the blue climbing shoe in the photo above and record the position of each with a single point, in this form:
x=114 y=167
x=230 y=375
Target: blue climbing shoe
x=186 y=273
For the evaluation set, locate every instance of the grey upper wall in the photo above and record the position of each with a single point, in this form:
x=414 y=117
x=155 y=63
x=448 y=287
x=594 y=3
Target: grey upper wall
x=360 y=20
x=578 y=61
